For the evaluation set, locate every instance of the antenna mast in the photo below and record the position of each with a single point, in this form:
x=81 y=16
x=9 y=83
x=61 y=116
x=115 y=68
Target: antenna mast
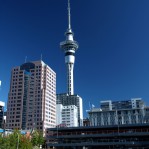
x=25 y=59
x=69 y=16
x=41 y=57
x=0 y=84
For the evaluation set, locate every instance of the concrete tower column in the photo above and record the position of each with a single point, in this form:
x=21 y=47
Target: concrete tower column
x=69 y=46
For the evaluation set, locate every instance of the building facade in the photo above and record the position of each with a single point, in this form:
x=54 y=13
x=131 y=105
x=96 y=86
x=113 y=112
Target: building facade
x=59 y=109
x=32 y=97
x=134 y=136
x=2 y=104
x=67 y=100
x=67 y=115
x=131 y=111
x=126 y=104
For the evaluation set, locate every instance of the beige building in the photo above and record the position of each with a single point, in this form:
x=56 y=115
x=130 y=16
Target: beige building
x=32 y=97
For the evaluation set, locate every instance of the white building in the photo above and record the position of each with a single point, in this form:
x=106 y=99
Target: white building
x=67 y=100
x=32 y=97
x=131 y=111
x=59 y=109
x=67 y=115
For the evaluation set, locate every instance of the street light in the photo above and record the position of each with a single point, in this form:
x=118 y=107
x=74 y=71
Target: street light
x=57 y=131
x=18 y=142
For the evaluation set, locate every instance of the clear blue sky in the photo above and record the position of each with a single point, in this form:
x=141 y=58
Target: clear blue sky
x=112 y=61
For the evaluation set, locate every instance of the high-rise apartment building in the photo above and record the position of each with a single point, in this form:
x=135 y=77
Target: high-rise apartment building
x=32 y=97
x=2 y=104
x=131 y=111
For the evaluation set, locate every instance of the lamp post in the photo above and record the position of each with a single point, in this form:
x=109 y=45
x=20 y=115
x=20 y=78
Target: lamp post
x=18 y=141
x=57 y=131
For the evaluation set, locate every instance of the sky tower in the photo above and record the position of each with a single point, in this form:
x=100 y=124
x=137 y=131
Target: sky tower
x=69 y=46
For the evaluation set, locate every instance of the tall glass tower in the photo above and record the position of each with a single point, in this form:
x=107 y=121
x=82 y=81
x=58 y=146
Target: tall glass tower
x=69 y=46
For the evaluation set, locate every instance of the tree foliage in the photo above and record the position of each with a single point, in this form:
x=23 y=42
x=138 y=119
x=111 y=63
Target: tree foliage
x=15 y=140
x=37 y=138
x=4 y=142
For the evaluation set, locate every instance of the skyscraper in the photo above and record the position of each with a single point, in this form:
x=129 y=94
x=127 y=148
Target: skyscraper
x=69 y=46
x=2 y=104
x=32 y=97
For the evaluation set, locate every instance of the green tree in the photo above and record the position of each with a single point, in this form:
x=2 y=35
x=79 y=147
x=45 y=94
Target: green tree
x=16 y=140
x=4 y=142
x=25 y=143
x=37 y=138
x=41 y=139
x=8 y=142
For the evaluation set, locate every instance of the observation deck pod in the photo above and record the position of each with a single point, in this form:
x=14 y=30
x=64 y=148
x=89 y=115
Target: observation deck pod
x=69 y=45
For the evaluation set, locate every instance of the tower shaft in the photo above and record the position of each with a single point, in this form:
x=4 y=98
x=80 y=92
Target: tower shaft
x=69 y=46
x=70 y=84
x=69 y=60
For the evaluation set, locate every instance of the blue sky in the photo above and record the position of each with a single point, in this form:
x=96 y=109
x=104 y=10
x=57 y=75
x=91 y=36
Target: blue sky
x=112 y=62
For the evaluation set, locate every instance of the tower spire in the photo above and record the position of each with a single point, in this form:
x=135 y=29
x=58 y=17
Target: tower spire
x=69 y=46
x=69 y=16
